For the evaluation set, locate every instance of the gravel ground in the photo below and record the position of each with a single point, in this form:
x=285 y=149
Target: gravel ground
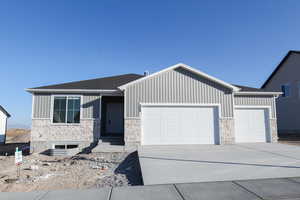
x=84 y=171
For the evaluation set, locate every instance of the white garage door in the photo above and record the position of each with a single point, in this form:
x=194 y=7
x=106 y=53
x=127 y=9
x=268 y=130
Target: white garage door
x=251 y=125
x=163 y=125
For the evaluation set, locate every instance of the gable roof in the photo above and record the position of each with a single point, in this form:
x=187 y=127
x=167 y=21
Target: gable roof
x=4 y=111
x=99 y=84
x=279 y=66
x=115 y=83
x=184 y=66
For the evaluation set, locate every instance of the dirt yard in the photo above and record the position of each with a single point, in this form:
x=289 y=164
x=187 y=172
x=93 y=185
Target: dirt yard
x=17 y=135
x=83 y=171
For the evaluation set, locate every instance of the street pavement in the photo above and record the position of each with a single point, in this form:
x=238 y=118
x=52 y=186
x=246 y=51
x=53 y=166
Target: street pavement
x=266 y=189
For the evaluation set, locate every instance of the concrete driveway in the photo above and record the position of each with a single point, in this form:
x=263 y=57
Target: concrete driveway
x=205 y=163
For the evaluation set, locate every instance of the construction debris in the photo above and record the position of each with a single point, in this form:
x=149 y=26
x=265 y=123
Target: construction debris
x=84 y=171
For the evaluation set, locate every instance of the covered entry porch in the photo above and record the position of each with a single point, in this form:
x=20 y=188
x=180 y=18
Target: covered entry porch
x=112 y=119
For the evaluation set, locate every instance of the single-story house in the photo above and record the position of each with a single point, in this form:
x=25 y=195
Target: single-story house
x=177 y=105
x=3 y=124
x=285 y=77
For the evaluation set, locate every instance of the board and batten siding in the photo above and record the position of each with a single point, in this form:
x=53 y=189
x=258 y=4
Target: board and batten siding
x=42 y=106
x=177 y=86
x=256 y=101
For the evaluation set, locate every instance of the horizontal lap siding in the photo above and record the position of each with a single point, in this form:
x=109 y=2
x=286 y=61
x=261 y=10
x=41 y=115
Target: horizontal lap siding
x=91 y=106
x=256 y=101
x=42 y=106
x=177 y=86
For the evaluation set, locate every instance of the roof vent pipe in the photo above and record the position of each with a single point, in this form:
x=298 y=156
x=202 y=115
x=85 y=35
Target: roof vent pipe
x=146 y=73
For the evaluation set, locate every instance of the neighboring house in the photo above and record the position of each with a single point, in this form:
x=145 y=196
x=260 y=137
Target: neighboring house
x=3 y=124
x=286 y=77
x=178 y=105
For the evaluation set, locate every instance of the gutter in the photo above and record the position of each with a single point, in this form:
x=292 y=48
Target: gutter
x=259 y=93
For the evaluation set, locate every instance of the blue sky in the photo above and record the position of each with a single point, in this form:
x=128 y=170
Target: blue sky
x=55 y=41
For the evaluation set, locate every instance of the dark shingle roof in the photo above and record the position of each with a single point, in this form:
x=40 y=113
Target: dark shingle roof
x=248 y=89
x=106 y=83
x=113 y=82
x=251 y=89
x=279 y=66
x=4 y=111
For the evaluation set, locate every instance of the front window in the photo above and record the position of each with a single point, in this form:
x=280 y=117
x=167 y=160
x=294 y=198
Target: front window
x=66 y=109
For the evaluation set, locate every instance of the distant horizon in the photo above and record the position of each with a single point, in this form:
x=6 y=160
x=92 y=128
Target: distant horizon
x=52 y=42
x=20 y=126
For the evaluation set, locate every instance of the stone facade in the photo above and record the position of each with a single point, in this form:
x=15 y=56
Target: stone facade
x=44 y=134
x=132 y=132
x=273 y=130
x=226 y=131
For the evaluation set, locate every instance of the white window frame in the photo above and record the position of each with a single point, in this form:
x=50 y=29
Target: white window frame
x=287 y=85
x=67 y=96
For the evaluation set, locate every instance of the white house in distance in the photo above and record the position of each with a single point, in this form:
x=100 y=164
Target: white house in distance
x=3 y=124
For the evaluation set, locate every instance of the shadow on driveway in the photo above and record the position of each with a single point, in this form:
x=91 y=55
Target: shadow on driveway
x=131 y=168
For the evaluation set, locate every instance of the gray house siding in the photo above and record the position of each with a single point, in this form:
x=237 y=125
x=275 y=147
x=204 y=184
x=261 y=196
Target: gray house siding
x=288 y=108
x=256 y=101
x=91 y=106
x=177 y=86
x=44 y=134
x=42 y=106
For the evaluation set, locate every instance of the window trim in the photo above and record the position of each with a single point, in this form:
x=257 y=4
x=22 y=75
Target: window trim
x=67 y=96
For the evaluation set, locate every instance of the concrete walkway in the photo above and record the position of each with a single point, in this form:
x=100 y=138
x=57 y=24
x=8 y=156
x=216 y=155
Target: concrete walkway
x=208 y=163
x=285 y=188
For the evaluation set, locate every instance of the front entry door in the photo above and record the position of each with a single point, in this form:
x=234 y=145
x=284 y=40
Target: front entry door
x=114 y=118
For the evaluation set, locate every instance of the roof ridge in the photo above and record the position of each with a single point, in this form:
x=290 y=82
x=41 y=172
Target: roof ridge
x=278 y=66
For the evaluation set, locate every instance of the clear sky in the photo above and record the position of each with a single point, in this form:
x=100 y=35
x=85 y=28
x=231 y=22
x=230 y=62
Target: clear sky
x=55 y=41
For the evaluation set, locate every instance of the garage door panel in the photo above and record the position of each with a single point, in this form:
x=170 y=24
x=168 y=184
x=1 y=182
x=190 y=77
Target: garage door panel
x=251 y=125
x=151 y=115
x=170 y=124
x=179 y=125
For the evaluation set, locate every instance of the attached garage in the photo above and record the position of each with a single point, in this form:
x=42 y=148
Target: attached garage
x=252 y=125
x=182 y=105
x=179 y=124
